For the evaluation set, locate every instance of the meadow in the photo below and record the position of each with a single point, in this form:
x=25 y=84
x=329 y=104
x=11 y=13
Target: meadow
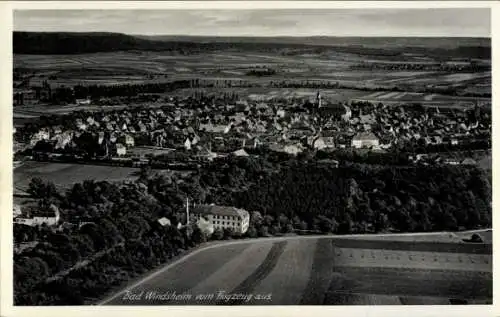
x=65 y=175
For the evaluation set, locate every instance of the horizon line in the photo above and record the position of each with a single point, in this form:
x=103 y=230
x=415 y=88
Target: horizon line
x=263 y=36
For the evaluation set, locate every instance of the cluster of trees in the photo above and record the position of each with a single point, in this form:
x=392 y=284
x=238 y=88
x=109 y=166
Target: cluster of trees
x=147 y=92
x=359 y=198
x=98 y=91
x=398 y=158
x=114 y=236
x=259 y=72
x=355 y=198
x=470 y=67
x=483 y=143
x=201 y=98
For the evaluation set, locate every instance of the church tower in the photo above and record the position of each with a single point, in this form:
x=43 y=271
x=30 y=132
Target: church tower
x=318 y=100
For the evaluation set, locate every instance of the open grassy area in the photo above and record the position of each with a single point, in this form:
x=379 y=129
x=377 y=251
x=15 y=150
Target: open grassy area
x=65 y=175
x=425 y=99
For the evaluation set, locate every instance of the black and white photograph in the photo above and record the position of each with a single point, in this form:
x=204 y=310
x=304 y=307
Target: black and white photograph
x=249 y=157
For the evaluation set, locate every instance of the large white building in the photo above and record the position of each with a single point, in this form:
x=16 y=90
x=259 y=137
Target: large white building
x=223 y=217
x=365 y=140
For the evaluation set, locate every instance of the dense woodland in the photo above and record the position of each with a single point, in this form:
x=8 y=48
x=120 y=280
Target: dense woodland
x=121 y=238
x=80 y=43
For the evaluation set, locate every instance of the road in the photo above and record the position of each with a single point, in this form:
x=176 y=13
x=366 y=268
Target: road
x=160 y=276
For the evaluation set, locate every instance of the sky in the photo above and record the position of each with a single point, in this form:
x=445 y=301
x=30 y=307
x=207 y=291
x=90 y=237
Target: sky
x=467 y=22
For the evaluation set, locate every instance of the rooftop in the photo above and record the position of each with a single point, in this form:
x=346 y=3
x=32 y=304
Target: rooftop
x=220 y=210
x=365 y=136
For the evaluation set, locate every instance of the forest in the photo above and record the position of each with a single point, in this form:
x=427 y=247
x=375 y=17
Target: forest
x=360 y=198
x=110 y=233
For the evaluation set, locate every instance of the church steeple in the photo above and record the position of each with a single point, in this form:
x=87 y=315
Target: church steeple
x=318 y=100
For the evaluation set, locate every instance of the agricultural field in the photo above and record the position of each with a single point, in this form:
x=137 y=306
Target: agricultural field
x=141 y=67
x=152 y=67
x=24 y=113
x=323 y=271
x=424 y=99
x=264 y=94
x=65 y=175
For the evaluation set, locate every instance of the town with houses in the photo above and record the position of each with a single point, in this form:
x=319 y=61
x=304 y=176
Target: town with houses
x=208 y=130
x=186 y=134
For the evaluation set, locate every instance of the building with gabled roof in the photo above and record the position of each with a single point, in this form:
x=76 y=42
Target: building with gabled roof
x=223 y=217
x=365 y=140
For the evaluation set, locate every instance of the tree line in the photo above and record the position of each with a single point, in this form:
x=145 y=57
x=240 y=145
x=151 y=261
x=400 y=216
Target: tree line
x=470 y=67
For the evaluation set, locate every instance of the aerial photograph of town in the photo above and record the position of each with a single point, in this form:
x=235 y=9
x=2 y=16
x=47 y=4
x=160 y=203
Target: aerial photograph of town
x=252 y=157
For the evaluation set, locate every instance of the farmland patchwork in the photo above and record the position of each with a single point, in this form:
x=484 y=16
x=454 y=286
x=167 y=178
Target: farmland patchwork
x=326 y=271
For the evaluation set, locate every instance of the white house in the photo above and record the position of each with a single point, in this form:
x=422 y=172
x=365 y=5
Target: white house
x=293 y=149
x=209 y=127
x=321 y=142
x=121 y=149
x=280 y=113
x=82 y=126
x=240 y=152
x=365 y=140
x=347 y=115
x=83 y=101
x=164 y=222
x=17 y=210
x=129 y=140
x=91 y=121
x=187 y=144
x=100 y=137
x=50 y=218
x=223 y=217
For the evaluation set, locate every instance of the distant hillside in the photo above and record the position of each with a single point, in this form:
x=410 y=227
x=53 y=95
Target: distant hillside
x=79 y=43
x=74 y=43
x=460 y=47
x=429 y=42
